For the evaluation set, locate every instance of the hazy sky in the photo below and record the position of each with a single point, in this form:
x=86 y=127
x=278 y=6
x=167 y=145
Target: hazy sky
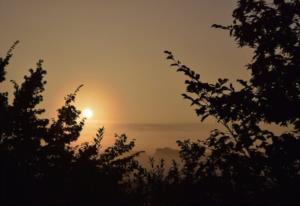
x=115 y=48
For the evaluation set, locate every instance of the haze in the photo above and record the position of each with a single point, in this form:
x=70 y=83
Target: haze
x=115 y=48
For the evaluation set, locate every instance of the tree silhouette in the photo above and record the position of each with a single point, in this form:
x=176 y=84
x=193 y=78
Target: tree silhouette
x=246 y=164
x=38 y=164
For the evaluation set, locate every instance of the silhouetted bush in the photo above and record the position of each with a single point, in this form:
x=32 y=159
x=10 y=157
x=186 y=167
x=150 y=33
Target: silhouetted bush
x=246 y=164
x=38 y=164
x=243 y=165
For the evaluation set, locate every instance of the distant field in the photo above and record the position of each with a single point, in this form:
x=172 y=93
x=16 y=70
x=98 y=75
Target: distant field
x=149 y=137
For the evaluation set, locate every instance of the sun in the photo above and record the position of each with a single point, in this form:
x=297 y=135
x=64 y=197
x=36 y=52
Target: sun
x=87 y=113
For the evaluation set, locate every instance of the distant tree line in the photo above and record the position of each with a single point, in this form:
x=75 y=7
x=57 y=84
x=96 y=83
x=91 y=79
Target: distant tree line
x=244 y=164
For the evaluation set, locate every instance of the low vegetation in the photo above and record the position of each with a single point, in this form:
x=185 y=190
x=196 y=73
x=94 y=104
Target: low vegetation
x=243 y=164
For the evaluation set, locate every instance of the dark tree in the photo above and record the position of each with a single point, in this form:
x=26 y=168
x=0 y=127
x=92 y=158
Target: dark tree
x=246 y=164
x=38 y=165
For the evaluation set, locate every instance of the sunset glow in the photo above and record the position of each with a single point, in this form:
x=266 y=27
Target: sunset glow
x=87 y=113
x=151 y=103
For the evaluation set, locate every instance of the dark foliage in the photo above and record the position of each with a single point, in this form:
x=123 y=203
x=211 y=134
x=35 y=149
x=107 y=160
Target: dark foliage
x=38 y=164
x=244 y=164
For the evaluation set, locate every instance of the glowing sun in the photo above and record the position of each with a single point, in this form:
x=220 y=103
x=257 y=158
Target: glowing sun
x=87 y=113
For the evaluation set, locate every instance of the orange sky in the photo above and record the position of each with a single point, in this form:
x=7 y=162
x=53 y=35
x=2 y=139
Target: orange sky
x=115 y=48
